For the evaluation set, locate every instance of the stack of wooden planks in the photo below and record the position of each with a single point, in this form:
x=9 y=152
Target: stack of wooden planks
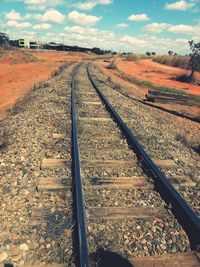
x=164 y=97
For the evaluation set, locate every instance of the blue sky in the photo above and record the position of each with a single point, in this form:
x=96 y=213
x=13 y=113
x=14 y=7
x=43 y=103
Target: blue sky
x=120 y=25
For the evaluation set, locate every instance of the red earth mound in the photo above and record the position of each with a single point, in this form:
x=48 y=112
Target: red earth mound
x=21 y=69
x=158 y=74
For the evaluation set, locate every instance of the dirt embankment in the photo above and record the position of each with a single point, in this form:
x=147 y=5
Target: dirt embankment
x=158 y=74
x=22 y=69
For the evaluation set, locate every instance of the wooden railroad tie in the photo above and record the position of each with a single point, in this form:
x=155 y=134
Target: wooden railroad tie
x=95 y=103
x=122 y=183
x=136 y=182
x=126 y=163
x=43 y=265
x=125 y=213
x=64 y=163
x=52 y=184
x=59 y=136
x=55 y=163
x=185 y=259
x=95 y=119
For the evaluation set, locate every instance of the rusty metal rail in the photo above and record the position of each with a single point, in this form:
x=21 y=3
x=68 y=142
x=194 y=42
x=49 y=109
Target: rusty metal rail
x=81 y=235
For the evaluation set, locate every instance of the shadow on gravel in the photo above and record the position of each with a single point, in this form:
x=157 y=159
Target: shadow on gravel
x=103 y=258
x=57 y=223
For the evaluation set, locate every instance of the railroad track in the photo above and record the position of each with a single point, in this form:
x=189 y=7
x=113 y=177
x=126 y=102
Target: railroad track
x=120 y=220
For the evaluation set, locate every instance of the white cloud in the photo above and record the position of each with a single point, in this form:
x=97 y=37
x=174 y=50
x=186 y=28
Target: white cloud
x=89 y=32
x=43 y=26
x=82 y=19
x=184 y=29
x=21 y=34
x=192 y=30
x=81 y=30
x=134 y=41
x=16 y=24
x=138 y=17
x=89 y=5
x=42 y=4
x=122 y=25
x=156 y=27
x=13 y=15
x=52 y=16
x=89 y=37
x=36 y=7
x=144 y=43
x=179 y=5
x=104 y=2
x=86 y=5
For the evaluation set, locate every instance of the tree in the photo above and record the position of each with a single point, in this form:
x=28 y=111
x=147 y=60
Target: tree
x=194 y=61
x=3 y=38
x=153 y=53
x=148 y=53
x=170 y=53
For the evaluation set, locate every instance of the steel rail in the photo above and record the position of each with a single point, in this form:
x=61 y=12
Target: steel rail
x=83 y=259
x=185 y=215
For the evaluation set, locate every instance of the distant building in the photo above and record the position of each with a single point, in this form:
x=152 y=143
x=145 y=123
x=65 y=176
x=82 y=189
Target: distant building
x=29 y=44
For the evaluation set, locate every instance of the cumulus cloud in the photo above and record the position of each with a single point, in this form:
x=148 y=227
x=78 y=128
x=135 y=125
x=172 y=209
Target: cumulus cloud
x=42 y=4
x=134 y=41
x=89 y=37
x=104 y=2
x=85 y=6
x=43 y=26
x=36 y=7
x=156 y=27
x=177 y=29
x=179 y=5
x=16 y=24
x=121 y=25
x=90 y=4
x=87 y=33
x=82 y=19
x=138 y=17
x=185 y=29
x=51 y=16
x=144 y=43
x=13 y=15
x=81 y=30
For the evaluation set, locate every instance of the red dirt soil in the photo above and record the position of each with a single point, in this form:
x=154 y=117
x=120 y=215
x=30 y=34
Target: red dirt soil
x=20 y=70
x=158 y=74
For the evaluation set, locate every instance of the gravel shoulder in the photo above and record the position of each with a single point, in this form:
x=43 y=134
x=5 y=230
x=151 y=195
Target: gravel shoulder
x=36 y=227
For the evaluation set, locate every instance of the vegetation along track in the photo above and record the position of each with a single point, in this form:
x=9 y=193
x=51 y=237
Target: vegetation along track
x=125 y=218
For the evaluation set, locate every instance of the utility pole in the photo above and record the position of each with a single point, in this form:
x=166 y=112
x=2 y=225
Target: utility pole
x=5 y=35
x=37 y=41
x=63 y=43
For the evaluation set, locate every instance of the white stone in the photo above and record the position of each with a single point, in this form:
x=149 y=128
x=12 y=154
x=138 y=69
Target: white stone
x=24 y=247
x=3 y=256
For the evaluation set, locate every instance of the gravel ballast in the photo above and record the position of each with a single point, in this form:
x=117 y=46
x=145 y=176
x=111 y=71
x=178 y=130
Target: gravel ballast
x=36 y=227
